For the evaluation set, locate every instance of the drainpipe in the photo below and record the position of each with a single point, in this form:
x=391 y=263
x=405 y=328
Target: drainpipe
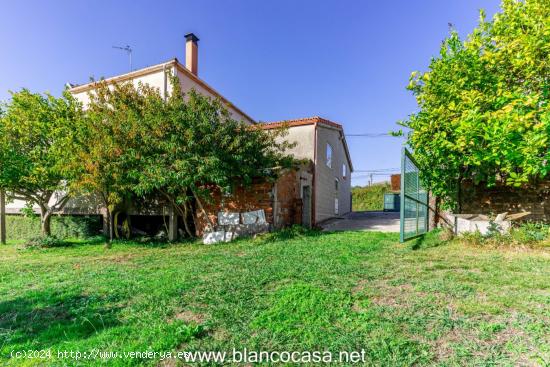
x=313 y=188
x=165 y=81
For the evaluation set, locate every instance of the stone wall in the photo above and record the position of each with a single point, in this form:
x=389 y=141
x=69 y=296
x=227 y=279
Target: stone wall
x=500 y=199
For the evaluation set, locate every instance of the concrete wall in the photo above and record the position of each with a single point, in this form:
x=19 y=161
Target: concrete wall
x=304 y=137
x=158 y=78
x=187 y=83
x=155 y=79
x=325 y=188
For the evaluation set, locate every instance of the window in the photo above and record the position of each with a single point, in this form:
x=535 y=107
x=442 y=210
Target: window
x=336 y=184
x=344 y=171
x=335 y=206
x=329 y=156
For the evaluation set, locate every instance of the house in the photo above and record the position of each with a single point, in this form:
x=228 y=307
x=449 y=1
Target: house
x=317 y=190
x=323 y=143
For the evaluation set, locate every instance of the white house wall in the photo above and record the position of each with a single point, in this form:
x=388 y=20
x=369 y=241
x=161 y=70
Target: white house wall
x=304 y=139
x=325 y=191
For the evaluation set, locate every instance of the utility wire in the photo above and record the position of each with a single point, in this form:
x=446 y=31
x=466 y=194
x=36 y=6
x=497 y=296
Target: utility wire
x=381 y=170
x=370 y=135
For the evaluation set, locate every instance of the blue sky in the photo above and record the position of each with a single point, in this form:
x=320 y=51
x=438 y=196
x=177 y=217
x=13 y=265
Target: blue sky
x=348 y=61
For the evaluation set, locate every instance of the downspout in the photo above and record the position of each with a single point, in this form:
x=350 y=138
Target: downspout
x=313 y=188
x=165 y=81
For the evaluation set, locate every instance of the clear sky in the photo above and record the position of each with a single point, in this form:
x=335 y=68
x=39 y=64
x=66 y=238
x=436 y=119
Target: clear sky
x=347 y=61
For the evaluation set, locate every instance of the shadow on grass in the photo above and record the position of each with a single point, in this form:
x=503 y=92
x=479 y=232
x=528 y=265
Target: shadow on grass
x=291 y=233
x=428 y=240
x=42 y=319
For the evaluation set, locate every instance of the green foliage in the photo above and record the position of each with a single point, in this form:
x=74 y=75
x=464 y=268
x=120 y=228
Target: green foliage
x=44 y=242
x=528 y=234
x=369 y=197
x=24 y=228
x=32 y=128
x=484 y=114
x=135 y=144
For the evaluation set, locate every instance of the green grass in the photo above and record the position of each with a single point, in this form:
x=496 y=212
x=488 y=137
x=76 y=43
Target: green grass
x=422 y=303
x=369 y=197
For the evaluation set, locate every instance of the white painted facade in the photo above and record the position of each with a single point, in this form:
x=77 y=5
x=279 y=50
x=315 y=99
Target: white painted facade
x=158 y=76
x=331 y=185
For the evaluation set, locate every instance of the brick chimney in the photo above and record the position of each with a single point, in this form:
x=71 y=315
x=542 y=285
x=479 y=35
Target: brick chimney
x=192 y=53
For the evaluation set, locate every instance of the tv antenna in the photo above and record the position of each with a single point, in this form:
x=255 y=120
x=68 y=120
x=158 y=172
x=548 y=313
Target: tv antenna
x=128 y=50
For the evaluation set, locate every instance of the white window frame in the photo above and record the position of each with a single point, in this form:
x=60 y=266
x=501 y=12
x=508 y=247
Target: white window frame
x=328 y=155
x=344 y=171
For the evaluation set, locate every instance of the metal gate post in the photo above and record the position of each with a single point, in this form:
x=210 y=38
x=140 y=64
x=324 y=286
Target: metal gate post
x=402 y=199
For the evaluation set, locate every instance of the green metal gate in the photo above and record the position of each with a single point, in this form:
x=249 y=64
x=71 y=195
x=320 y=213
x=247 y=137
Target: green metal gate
x=414 y=199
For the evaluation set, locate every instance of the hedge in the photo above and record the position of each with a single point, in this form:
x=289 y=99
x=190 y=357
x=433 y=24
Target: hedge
x=369 y=197
x=20 y=227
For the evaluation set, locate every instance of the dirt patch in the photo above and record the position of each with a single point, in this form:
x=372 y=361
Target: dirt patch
x=122 y=259
x=359 y=287
x=221 y=335
x=190 y=317
x=394 y=296
x=168 y=362
x=443 y=347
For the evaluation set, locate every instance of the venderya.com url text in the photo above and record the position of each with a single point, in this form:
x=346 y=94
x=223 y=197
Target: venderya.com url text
x=235 y=356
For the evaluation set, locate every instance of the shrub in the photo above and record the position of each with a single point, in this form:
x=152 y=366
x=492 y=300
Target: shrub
x=28 y=227
x=369 y=197
x=525 y=234
x=45 y=242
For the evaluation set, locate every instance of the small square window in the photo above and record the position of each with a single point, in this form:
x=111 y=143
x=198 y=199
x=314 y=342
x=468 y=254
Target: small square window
x=329 y=156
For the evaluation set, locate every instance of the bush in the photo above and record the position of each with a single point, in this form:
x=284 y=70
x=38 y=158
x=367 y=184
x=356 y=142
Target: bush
x=529 y=234
x=45 y=242
x=70 y=226
x=369 y=197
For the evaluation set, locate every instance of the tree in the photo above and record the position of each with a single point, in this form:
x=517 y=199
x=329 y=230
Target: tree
x=197 y=147
x=103 y=147
x=30 y=160
x=484 y=113
x=133 y=144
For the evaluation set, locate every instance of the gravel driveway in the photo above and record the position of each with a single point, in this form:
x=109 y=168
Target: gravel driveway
x=364 y=221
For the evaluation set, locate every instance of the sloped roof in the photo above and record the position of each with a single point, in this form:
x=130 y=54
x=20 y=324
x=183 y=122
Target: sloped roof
x=156 y=68
x=315 y=120
x=301 y=122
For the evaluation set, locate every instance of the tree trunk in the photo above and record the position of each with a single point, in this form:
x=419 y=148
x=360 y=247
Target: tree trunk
x=185 y=218
x=45 y=222
x=110 y=225
x=202 y=210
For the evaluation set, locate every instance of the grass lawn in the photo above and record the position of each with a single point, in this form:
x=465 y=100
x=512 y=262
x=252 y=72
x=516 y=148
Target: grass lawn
x=423 y=304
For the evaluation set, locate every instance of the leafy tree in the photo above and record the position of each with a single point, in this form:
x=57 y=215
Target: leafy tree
x=484 y=114
x=133 y=144
x=30 y=160
x=197 y=147
x=103 y=146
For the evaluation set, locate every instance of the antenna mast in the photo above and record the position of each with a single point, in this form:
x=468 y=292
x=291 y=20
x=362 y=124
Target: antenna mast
x=128 y=50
